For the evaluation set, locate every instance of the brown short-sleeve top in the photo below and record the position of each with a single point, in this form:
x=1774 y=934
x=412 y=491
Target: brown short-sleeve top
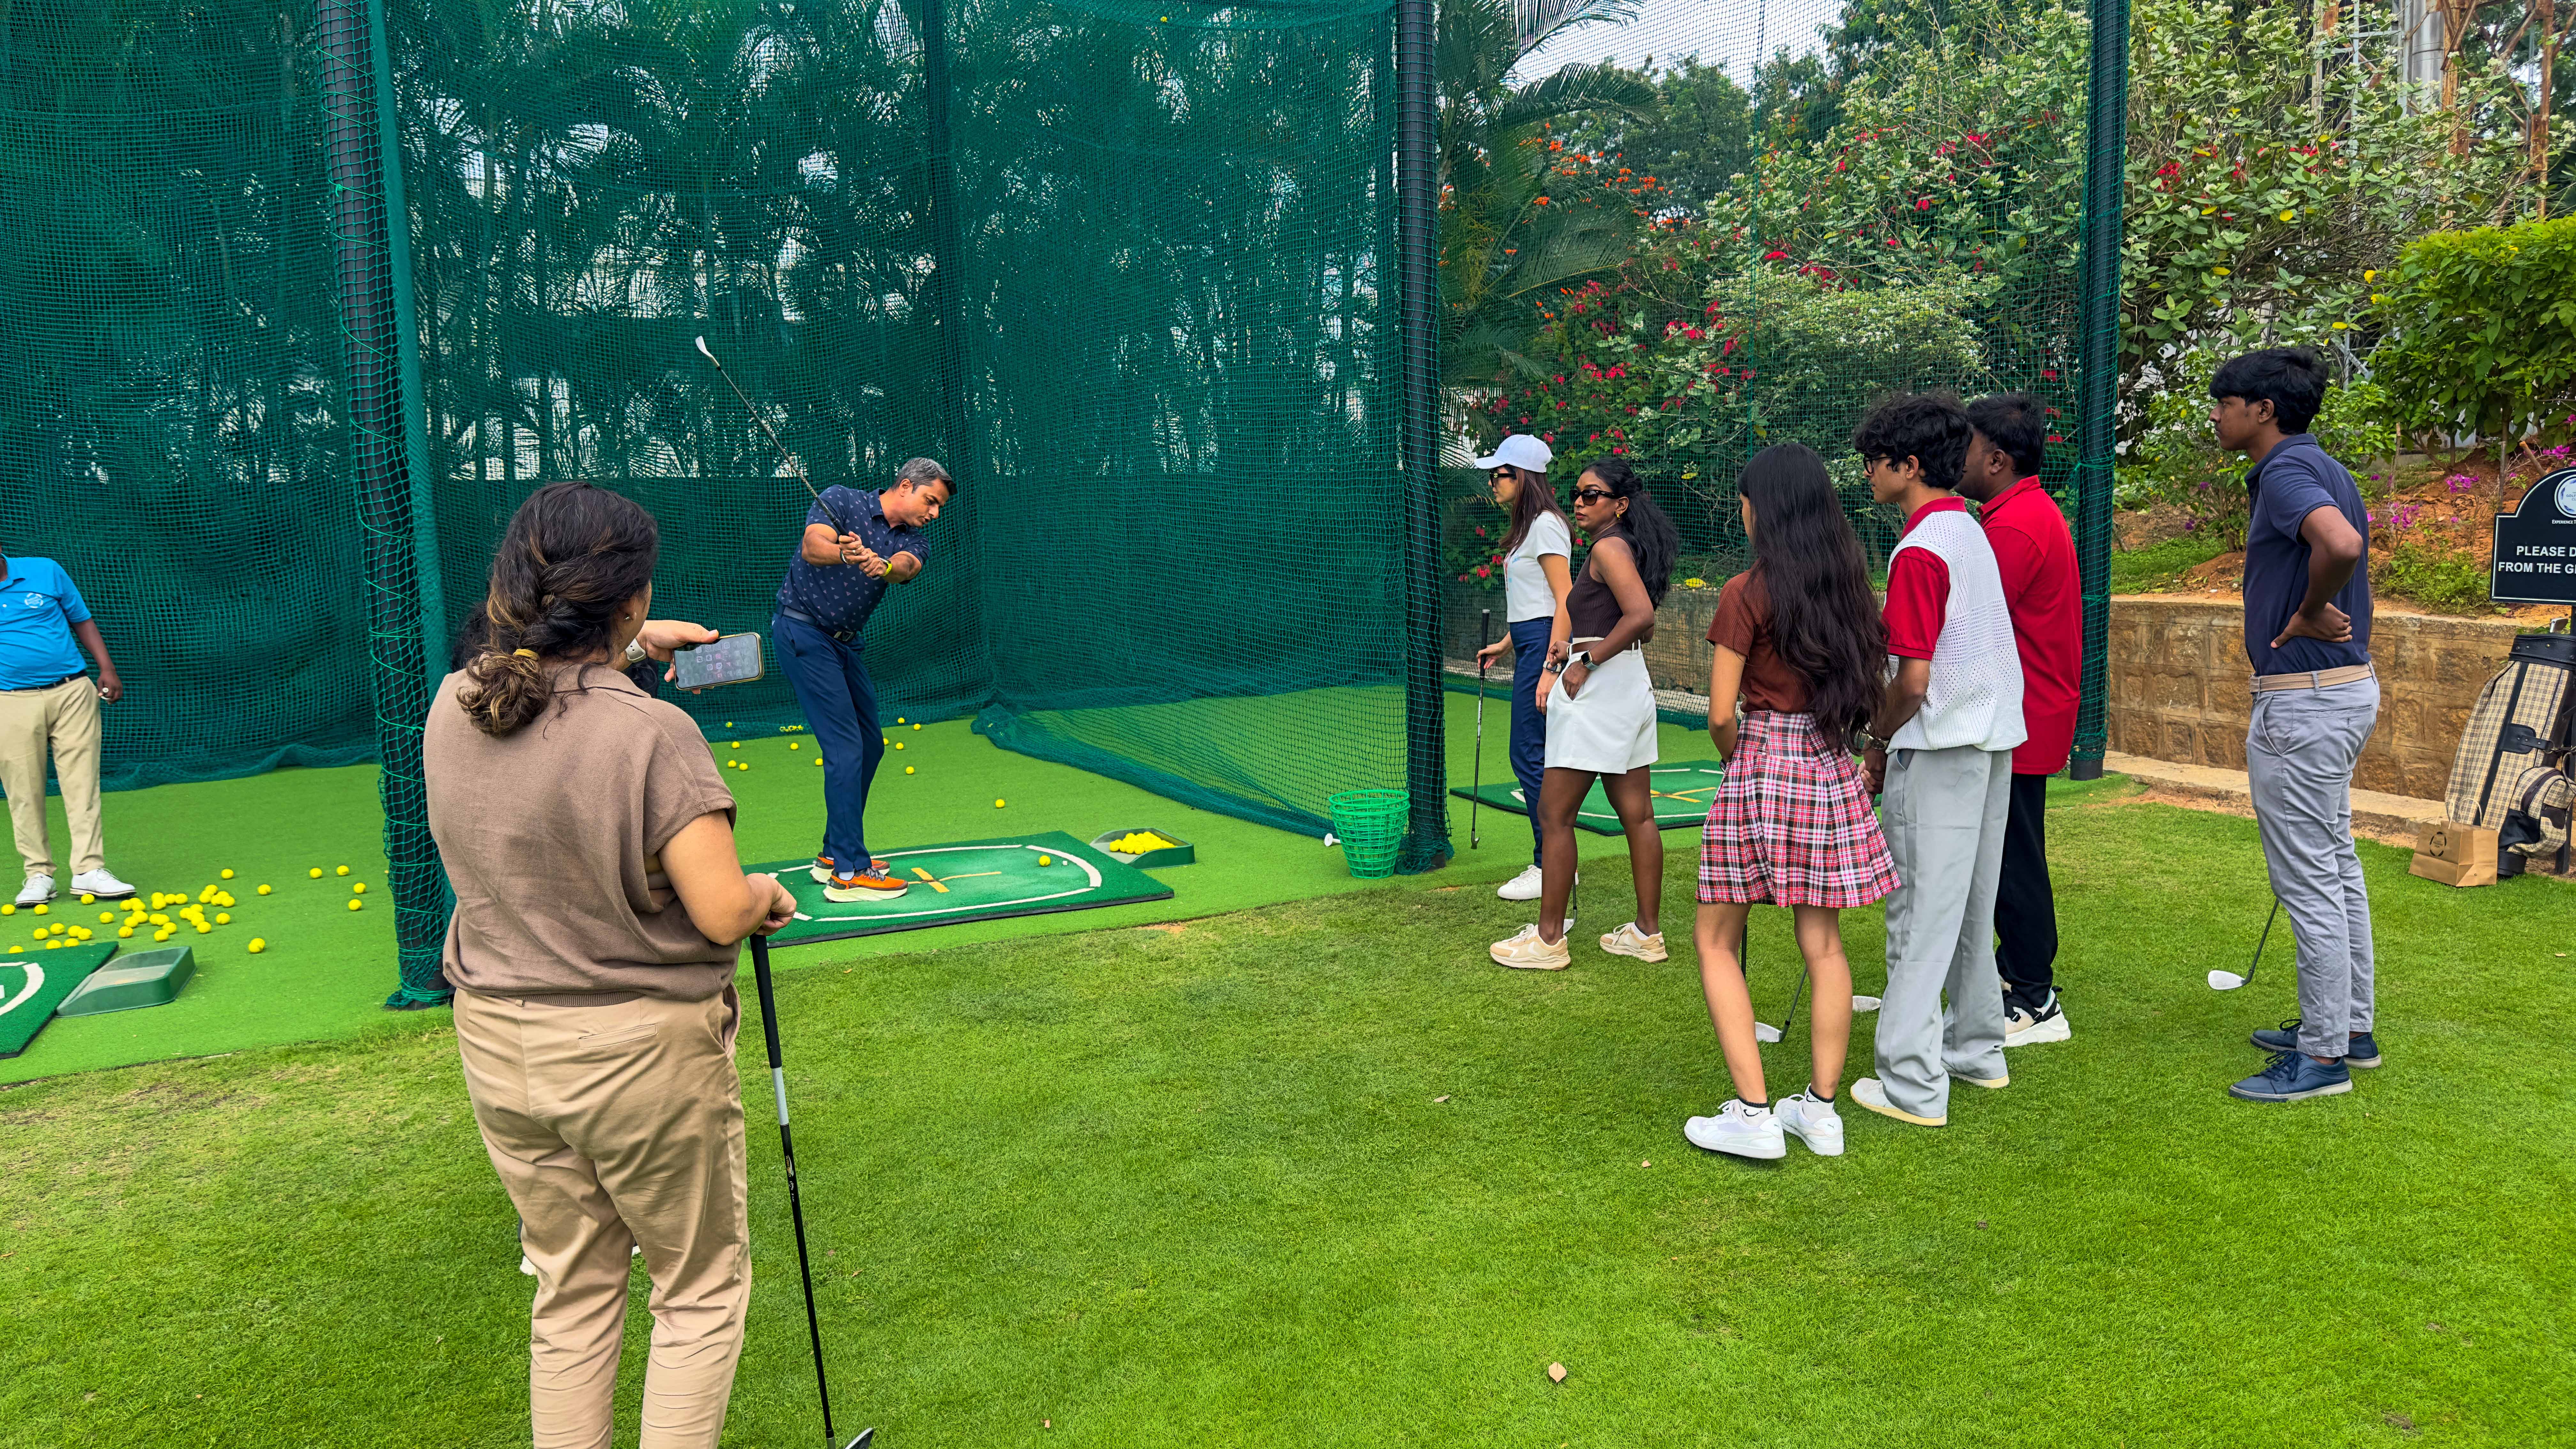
x=546 y=836
x=1743 y=624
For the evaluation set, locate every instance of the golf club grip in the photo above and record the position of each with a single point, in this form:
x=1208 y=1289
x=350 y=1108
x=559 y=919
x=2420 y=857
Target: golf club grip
x=768 y=1010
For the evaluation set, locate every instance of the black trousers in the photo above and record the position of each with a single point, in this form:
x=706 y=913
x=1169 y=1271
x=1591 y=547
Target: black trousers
x=2025 y=904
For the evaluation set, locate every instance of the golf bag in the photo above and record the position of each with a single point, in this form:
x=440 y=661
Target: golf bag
x=2519 y=728
x=2535 y=822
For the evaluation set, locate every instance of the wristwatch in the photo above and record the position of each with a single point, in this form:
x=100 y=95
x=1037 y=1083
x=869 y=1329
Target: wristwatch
x=635 y=653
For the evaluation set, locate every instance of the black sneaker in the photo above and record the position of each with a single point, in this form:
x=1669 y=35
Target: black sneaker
x=2360 y=1051
x=2026 y=1025
x=2292 y=1077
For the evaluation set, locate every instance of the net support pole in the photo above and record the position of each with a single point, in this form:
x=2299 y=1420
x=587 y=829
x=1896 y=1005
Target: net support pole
x=415 y=411
x=380 y=451
x=2106 y=132
x=1417 y=180
x=947 y=249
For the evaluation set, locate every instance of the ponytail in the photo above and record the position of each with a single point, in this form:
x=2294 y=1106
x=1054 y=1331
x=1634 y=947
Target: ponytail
x=1652 y=535
x=572 y=557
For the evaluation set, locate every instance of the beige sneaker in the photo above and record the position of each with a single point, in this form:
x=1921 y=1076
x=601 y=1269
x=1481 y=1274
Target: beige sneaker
x=1629 y=941
x=1526 y=952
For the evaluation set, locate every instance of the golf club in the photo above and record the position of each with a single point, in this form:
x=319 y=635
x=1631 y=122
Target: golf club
x=757 y=416
x=795 y=1201
x=1484 y=636
x=2229 y=980
x=1763 y=1031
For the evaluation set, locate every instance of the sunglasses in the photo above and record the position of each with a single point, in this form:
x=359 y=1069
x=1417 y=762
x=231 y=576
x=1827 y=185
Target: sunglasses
x=1593 y=495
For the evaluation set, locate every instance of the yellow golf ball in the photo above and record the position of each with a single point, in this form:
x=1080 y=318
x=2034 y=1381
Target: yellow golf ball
x=358 y=888
x=123 y=933
x=87 y=899
x=159 y=919
x=228 y=875
x=791 y=744
x=907 y=769
x=728 y=724
x=898 y=744
x=263 y=890
x=898 y=719
x=818 y=762
x=53 y=945
x=315 y=872
x=107 y=915
x=204 y=930
x=746 y=764
x=1045 y=860
x=223 y=918
x=354 y=903
x=14 y=950
x=344 y=870
x=735 y=745
x=997 y=804
x=916 y=726
x=8 y=910
x=41 y=910
x=258 y=944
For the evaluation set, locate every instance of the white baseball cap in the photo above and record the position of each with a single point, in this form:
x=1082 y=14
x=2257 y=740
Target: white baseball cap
x=1520 y=450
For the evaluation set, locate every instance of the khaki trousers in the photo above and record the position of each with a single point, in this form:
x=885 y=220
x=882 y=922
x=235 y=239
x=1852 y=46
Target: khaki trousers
x=615 y=1127
x=66 y=717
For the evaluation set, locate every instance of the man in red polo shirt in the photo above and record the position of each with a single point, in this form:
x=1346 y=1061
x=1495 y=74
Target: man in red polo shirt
x=2036 y=556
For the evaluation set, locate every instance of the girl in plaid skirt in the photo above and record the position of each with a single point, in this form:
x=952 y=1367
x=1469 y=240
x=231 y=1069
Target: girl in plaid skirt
x=1801 y=648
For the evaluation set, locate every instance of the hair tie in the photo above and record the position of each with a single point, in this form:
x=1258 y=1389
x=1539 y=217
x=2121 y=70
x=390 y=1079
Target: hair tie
x=525 y=653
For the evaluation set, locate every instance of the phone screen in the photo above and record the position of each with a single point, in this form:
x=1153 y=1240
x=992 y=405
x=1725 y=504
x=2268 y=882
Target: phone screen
x=733 y=659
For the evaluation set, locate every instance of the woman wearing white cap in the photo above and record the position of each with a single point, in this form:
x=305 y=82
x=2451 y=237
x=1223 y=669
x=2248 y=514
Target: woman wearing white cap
x=1538 y=550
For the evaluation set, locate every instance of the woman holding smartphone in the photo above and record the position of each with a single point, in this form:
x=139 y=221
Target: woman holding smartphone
x=599 y=912
x=1538 y=572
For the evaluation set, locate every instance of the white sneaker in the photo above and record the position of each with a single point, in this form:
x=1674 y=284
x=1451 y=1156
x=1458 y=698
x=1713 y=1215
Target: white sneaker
x=1522 y=887
x=1811 y=1120
x=1526 y=952
x=1629 y=941
x=2026 y=1027
x=102 y=884
x=38 y=890
x=1870 y=1092
x=1740 y=1130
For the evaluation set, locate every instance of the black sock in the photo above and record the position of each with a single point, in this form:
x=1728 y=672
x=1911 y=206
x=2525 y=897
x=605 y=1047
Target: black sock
x=1821 y=1096
x=1762 y=1106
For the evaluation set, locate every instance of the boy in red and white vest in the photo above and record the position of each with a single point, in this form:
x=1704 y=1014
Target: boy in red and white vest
x=1940 y=749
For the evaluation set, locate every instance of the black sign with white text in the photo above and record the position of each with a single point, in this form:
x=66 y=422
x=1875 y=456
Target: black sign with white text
x=2535 y=545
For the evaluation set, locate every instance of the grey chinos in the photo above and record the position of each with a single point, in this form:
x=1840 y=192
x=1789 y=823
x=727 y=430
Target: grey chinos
x=1944 y=820
x=2300 y=752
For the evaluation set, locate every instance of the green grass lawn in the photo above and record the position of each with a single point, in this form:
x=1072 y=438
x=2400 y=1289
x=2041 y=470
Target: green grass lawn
x=1189 y=1184
x=2161 y=566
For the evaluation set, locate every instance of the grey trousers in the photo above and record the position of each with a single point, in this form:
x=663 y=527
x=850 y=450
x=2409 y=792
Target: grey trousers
x=1944 y=818
x=2299 y=757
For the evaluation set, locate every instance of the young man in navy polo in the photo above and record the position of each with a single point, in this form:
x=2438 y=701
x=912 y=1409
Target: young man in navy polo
x=2043 y=590
x=48 y=699
x=2307 y=635
x=855 y=544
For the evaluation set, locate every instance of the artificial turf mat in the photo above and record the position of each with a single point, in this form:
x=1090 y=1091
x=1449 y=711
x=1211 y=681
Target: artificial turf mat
x=974 y=880
x=1321 y=1174
x=33 y=983
x=1682 y=789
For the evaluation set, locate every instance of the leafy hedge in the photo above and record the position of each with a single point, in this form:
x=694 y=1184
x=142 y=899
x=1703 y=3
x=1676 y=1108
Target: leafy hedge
x=2482 y=331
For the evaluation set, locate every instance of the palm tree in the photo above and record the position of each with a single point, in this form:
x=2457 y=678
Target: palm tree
x=1505 y=239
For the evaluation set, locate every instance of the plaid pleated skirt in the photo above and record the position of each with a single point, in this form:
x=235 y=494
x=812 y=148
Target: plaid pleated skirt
x=1792 y=823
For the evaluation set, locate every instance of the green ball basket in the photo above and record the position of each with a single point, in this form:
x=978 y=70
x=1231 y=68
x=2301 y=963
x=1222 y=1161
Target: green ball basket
x=1370 y=824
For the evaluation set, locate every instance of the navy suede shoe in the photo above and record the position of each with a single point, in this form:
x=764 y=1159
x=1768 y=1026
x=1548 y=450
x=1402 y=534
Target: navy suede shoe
x=2291 y=1077
x=2360 y=1051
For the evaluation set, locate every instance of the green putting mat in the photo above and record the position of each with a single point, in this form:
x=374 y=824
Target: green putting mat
x=33 y=983
x=1683 y=792
x=978 y=880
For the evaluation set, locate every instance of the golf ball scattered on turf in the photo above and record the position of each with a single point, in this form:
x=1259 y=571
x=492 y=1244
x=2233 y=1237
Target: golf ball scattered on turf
x=906 y=769
x=997 y=804
x=916 y=726
x=40 y=910
x=1046 y=860
x=228 y=875
x=223 y=919
x=898 y=744
x=107 y=915
x=818 y=762
x=263 y=890
x=791 y=744
x=315 y=872
x=123 y=933
x=358 y=888
x=343 y=870
x=898 y=719
x=204 y=930
x=354 y=903
x=87 y=899
x=8 y=910
x=258 y=944
x=735 y=745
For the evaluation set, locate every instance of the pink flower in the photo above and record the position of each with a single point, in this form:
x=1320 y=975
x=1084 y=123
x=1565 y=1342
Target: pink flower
x=1484 y=573
x=1480 y=530
x=1773 y=256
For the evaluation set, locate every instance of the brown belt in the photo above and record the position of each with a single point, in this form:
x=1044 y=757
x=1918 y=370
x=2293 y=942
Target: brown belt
x=2313 y=679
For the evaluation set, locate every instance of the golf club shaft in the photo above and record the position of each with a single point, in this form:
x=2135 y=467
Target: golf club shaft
x=1475 y=802
x=2263 y=940
x=775 y=441
x=787 y=1151
x=1795 y=992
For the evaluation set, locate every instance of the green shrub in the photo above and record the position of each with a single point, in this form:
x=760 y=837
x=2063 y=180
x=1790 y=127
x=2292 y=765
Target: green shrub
x=2433 y=577
x=2482 y=331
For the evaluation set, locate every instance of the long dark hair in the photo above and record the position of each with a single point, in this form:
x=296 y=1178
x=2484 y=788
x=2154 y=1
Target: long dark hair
x=1822 y=615
x=1536 y=500
x=1651 y=534
x=573 y=556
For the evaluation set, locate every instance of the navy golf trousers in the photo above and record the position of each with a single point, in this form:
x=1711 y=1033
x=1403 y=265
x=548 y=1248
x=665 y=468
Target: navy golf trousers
x=1529 y=725
x=832 y=687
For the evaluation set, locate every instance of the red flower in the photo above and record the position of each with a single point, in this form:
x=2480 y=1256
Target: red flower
x=1774 y=256
x=1484 y=573
x=1480 y=530
x=2054 y=438
x=1618 y=450
x=1923 y=204
x=2049 y=373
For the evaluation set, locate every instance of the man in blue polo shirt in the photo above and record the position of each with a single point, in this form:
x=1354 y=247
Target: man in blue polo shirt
x=2307 y=634
x=855 y=543
x=47 y=699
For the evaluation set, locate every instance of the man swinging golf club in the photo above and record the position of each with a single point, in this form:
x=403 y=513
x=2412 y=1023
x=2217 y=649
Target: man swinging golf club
x=855 y=543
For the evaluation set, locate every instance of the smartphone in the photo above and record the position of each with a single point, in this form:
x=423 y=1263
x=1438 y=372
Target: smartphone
x=733 y=659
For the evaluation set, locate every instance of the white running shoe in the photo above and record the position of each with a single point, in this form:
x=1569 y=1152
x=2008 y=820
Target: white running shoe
x=1812 y=1120
x=2026 y=1027
x=1739 y=1130
x=1522 y=887
x=102 y=884
x=38 y=890
x=1629 y=941
x=1870 y=1092
x=1526 y=952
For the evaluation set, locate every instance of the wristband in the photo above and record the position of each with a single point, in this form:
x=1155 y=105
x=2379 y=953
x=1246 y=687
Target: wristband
x=635 y=652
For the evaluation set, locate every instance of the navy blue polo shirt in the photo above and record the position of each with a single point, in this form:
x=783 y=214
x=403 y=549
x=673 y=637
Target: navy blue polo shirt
x=842 y=596
x=2294 y=480
x=38 y=607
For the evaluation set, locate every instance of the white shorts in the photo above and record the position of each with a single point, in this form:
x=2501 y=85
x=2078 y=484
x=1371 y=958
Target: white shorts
x=1609 y=728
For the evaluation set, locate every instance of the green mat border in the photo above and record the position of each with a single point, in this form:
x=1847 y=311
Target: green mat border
x=66 y=959
x=1050 y=839
x=1506 y=804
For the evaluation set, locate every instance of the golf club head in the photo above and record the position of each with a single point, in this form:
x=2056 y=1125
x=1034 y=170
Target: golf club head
x=701 y=344
x=1765 y=1031
x=1864 y=1003
x=2225 y=980
x=866 y=1437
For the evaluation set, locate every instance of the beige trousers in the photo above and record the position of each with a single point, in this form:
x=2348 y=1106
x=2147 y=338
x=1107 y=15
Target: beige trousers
x=615 y=1127
x=66 y=717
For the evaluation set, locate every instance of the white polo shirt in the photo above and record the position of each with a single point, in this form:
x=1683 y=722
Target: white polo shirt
x=1526 y=595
